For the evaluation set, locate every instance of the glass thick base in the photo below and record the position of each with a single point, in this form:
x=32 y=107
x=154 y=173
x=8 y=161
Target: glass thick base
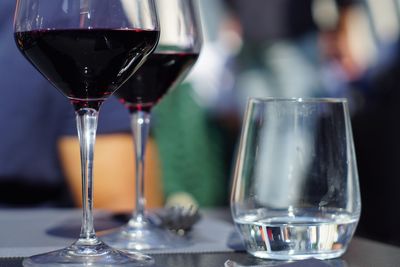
x=98 y=254
x=296 y=237
x=143 y=235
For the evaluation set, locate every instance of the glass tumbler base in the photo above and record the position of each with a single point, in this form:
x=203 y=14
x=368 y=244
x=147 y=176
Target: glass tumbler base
x=144 y=236
x=93 y=255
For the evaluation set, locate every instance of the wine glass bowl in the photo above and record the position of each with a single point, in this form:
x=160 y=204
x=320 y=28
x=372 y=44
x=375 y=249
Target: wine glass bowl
x=86 y=52
x=87 y=49
x=177 y=51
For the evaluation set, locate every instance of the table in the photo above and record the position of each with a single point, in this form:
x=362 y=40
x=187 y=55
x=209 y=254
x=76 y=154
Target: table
x=18 y=223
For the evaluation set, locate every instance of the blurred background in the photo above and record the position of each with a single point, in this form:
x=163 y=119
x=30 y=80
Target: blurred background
x=288 y=48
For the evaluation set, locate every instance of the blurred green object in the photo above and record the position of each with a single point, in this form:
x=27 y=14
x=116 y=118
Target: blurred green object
x=190 y=148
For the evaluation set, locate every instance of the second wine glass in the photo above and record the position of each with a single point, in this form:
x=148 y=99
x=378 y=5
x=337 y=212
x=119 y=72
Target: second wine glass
x=177 y=51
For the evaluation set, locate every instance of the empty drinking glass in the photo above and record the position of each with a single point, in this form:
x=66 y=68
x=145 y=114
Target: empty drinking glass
x=295 y=193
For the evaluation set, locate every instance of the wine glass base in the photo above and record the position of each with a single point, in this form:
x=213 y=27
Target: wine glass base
x=144 y=236
x=93 y=255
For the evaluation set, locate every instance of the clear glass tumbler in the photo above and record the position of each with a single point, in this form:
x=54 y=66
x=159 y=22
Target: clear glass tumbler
x=295 y=193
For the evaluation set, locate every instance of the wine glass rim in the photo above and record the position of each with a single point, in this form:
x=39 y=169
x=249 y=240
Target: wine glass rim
x=298 y=99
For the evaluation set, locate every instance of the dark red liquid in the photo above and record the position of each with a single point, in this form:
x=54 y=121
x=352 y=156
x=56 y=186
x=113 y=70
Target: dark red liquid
x=87 y=65
x=157 y=75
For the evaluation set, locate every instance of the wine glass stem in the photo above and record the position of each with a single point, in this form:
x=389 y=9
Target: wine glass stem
x=140 y=123
x=87 y=125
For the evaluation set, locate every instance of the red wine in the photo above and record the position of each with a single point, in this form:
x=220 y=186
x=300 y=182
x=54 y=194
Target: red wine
x=157 y=75
x=87 y=65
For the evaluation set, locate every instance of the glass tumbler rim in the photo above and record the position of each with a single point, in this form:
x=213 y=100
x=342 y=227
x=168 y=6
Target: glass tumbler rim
x=255 y=100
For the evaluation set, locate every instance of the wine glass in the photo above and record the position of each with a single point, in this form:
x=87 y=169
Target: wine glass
x=177 y=51
x=86 y=49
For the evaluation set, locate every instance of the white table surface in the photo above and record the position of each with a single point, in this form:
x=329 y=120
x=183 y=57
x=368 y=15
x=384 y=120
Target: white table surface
x=32 y=231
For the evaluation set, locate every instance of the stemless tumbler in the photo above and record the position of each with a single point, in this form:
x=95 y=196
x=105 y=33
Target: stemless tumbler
x=295 y=193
